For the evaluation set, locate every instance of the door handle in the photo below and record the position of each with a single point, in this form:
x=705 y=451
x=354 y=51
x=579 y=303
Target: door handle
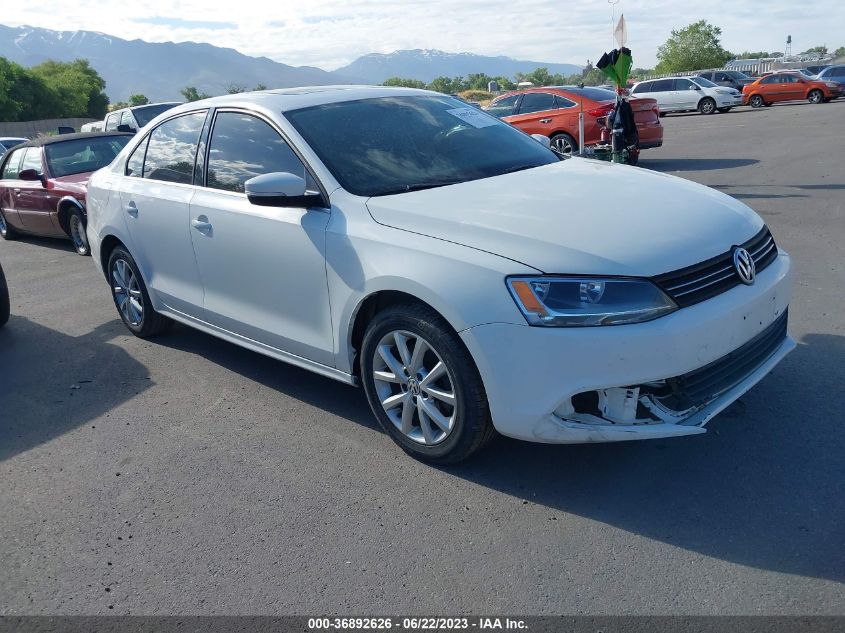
x=201 y=224
x=545 y=120
x=132 y=210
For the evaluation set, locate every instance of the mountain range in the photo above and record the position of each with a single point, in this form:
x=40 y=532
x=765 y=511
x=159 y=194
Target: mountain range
x=425 y=64
x=161 y=70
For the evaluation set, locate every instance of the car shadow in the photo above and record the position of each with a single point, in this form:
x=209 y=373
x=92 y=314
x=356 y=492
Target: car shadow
x=56 y=243
x=53 y=382
x=762 y=488
x=695 y=164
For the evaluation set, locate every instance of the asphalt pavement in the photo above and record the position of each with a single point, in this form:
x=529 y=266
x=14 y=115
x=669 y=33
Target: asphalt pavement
x=184 y=475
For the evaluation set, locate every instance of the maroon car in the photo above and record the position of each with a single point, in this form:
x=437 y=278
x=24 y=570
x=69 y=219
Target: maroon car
x=43 y=184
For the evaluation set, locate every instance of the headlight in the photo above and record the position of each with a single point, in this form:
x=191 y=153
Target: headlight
x=588 y=301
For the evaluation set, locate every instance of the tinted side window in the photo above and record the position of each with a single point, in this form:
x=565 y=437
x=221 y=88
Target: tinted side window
x=172 y=149
x=536 y=102
x=641 y=88
x=10 y=169
x=771 y=79
x=242 y=147
x=836 y=71
x=135 y=164
x=663 y=85
x=684 y=84
x=32 y=159
x=503 y=107
x=563 y=102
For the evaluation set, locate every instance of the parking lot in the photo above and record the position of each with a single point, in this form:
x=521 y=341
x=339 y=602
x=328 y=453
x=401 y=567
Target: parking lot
x=186 y=475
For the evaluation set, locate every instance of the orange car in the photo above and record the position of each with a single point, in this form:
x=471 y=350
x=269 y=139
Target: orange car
x=788 y=87
x=553 y=112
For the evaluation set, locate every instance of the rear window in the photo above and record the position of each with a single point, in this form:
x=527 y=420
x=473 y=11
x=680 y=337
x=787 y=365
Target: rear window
x=145 y=114
x=596 y=94
x=82 y=155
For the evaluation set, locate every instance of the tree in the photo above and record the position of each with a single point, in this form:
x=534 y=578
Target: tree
x=401 y=82
x=190 y=93
x=234 y=89
x=839 y=52
x=138 y=100
x=692 y=48
x=24 y=97
x=260 y=87
x=77 y=86
x=820 y=50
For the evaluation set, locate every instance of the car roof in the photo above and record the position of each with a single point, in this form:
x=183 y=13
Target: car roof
x=61 y=138
x=286 y=99
x=12 y=138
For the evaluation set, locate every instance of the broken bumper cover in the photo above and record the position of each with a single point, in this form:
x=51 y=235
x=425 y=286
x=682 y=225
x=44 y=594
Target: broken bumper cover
x=716 y=350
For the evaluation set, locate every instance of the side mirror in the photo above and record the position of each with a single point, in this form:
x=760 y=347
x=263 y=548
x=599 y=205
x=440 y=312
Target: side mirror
x=31 y=175
x=544 y=140
x=280 y=189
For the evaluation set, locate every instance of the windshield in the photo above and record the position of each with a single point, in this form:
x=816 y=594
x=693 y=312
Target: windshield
x=145 y=114
x=737 y=75
x=397 y=144
x=82 y=155
x=704 y=83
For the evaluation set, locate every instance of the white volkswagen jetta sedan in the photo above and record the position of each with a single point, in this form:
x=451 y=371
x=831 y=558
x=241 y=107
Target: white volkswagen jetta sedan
x=470 y=278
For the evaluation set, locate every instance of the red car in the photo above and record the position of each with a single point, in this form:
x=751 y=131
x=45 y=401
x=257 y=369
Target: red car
x=788 y=86
x=553 y=112
x=43 y=184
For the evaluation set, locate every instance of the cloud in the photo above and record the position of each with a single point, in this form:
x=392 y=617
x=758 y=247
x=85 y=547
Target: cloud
x=186 y=24
x=332 y=33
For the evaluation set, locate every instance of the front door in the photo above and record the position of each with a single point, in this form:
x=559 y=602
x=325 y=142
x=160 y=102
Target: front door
x=155 y=197
x=32 y=200
x=536 y=114
x=263 y=268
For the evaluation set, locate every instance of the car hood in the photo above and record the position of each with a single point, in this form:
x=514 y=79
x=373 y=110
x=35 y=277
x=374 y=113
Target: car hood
x=74 y=182
x=578 y=216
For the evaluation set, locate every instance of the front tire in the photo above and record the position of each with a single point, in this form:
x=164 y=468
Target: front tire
x=6 y=231
x=131 y=297
x=815 y=96
x=76 y=230
x=423 y=386
x=756 y=101
x=707 y=106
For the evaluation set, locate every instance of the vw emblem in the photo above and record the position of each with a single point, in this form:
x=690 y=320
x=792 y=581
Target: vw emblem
x=744 y=265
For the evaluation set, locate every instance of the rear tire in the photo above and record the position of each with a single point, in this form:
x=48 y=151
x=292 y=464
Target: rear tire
x=564 y=144
x=423 y=386
x=6 y=231
x=815 y=96
x=76 y=230
x=756 y=101
x=131 y=297
x=707 y=105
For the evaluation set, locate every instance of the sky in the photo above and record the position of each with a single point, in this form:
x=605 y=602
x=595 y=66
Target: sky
x=331 y=33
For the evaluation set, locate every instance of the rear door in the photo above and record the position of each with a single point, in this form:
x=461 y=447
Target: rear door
x=155 y=195
x=536 y=113
x=663 y=91
x=32 y=200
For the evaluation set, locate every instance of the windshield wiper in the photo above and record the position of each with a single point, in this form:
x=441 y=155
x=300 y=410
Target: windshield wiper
x=417 y=186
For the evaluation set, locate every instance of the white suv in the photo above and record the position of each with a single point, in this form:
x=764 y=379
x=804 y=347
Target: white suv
x=685 y=94
x=465 y=274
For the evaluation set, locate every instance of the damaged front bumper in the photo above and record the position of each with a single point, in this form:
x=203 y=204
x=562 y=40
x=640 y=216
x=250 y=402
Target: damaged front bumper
x=664 y=378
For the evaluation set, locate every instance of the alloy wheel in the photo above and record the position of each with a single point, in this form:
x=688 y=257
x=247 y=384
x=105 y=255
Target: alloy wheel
x=415 y=387
x=816 y=96
x=127 y=293
x=562 y=145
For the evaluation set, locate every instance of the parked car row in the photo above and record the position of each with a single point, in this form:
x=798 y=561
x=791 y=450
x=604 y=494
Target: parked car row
x=449 y=263
x=685 y=94
x=554 y=112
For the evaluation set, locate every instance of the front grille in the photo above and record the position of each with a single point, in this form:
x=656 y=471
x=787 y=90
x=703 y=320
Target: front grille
x=700 y=282
x=708 y=382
